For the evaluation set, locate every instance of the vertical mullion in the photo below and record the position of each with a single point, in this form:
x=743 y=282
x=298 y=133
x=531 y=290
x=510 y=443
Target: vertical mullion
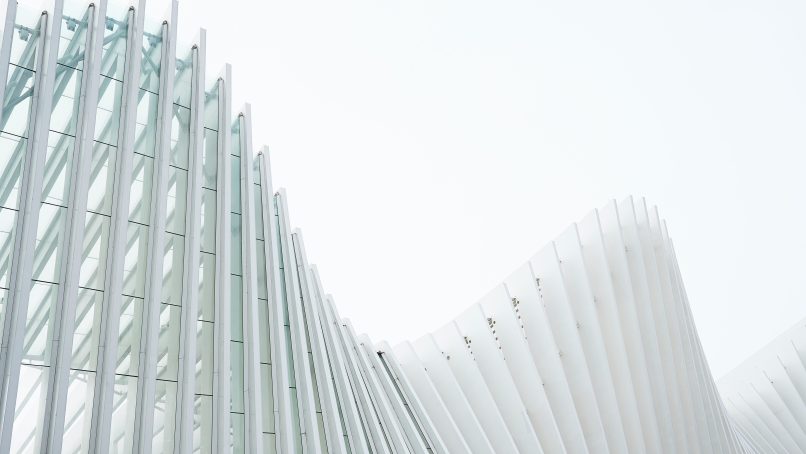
x=327 y=398
x=74 y=238
x=279 y=360
x=113 y=278
x=251 y=386
x=27 y=221
x=183 y=442
x=308 y=426
x=348 y=406
x=221 y=368
x=144 y=413
x=5 y=46
x=366 y=409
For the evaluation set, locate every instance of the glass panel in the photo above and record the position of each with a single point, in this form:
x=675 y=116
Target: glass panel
x=168 y=347
x=182 y=81
x=172 y=269
x=86 y=332
x=236 y=137
x=49 y=241
x=236 y=305
x=262 y=282
x=270 y=443
x=180 y=136
x=12 y=153
x=267 y=393
x=142 y=186
x=102 y=178
x=236 y=374
x=78 y=413
x=177 y=200
x=208 y=220
x=210 y=159
x=145 y=127
x=235 y=164
x=236 y=267
x=207 y=287
x=17 y=102
x=28 y=417
x=66 y=92
x=39 y=324
x=56 y=181
x=152 y=56
x=96 y=241
x=107 y=115
x=123 y=404
x=204 y=357
x=73 y=35
x=263 y=331
x=164 y=411
x=7 y=219
x=24 y=38
x=203 y=425
x=114 y=53
x=258 y=213
x=211 y=108
x=134 y=266
x=237 y=433
x=131 y=319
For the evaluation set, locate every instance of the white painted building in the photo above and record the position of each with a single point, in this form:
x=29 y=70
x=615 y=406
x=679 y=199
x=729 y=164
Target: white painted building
x=156 y=299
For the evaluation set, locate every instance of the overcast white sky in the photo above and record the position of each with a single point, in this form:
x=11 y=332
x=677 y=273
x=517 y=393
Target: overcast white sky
x=430 y=147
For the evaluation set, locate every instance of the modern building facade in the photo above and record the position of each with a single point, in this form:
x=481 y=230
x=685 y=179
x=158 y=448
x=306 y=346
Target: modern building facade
x=156 y=299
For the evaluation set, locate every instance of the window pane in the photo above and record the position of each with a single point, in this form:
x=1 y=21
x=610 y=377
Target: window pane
x=28 y=418
x=208 y=220
x=17 y=102
x=177 y=200
x=207 y=287
x=236 y=305
x=102 y=178
x=152 y=56
x=49 y=242
x=58 y=161
x=142 y=186
x=262 y=282
x=164 y=411
x=7 y=219
x=123 y=404
x=235 y=164
x=96 y=241
x=236 y=374
x=24 y=40
x=107 y=115
x=131 y=314
x=72 y=40
x=203 y=425
x=39 y=324
x=66 y=93
x=12 y=153
x=86 y=332
x=172 y=269
x=180 y=136
x=78 y=413
x=114 y=53
x=204 y=358
x=168 y=347
x=134 y=266
x=236 y=266
x=210 y=159
x=182 y=81
x=145 y=127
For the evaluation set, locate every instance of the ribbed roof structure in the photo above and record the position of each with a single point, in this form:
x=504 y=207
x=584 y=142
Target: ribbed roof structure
x=155 y=298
